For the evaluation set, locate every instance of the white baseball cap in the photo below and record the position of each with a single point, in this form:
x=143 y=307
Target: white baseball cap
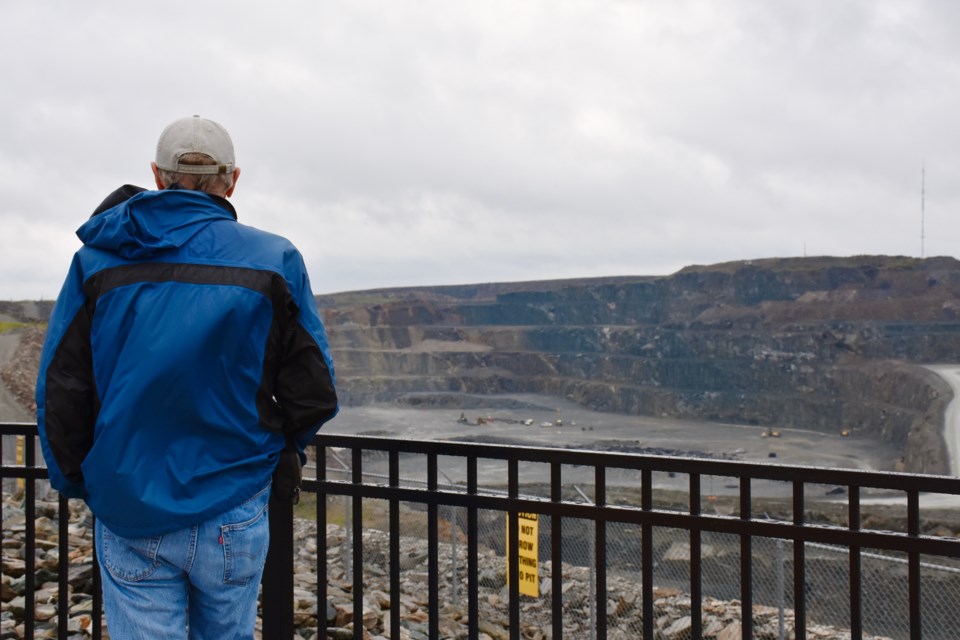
x=195 y=135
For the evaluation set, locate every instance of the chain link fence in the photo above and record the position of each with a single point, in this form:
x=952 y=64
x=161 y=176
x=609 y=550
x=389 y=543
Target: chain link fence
x=827 y=590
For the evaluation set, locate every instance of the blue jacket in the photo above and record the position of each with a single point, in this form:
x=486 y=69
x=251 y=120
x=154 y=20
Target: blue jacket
x=184 y=352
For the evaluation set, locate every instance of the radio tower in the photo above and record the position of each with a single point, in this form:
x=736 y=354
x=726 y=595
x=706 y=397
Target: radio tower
x=923 y=194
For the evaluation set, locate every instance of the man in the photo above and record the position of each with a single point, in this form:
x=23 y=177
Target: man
x=183 y=357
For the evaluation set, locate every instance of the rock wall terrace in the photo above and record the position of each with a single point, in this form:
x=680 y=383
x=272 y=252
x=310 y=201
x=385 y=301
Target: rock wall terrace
x=829 y=344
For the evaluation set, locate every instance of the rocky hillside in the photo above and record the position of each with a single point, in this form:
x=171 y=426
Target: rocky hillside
x=829 y=344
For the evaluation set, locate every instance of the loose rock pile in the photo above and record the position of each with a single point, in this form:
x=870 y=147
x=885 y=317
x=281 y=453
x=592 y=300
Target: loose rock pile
x=721 y=620
x=13 y=581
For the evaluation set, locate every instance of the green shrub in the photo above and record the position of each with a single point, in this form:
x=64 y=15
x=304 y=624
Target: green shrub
x=10 y=326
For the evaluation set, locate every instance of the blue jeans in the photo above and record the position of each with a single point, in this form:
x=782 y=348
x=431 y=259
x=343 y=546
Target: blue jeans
x=203 y=579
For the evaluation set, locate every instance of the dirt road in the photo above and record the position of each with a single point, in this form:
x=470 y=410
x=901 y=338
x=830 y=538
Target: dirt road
x=10 y=409
x=951 y=429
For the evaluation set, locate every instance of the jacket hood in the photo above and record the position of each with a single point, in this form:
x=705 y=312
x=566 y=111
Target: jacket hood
x=152 y=222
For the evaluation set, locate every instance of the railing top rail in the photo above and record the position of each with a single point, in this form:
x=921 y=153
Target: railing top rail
x=18 y=428
x=643 y=462
x=633 y=461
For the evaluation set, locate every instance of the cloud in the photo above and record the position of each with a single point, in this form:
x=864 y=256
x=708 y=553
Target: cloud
x=439 y=143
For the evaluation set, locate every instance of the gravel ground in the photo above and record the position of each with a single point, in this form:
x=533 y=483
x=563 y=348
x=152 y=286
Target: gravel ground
x=584 y=429
x=587 y=429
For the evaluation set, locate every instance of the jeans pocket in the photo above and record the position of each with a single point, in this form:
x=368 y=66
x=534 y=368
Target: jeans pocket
x=245 y=542
x=128 y=559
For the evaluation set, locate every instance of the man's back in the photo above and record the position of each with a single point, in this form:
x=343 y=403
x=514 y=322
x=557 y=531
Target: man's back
x=184 y=354
x=189 y=311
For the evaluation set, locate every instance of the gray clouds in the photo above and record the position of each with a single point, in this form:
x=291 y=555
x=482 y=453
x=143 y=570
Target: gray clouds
x=401 y=143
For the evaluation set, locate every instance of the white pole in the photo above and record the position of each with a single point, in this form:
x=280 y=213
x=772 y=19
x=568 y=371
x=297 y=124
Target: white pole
x=923 y=202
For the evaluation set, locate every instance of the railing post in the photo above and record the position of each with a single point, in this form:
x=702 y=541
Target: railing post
x=513 y=548
x=454 y=569
x=433 y=552
x=799 y=567
x=30 y=544
x=696 y=564
x=913 y=559
x=63 y=551
x=746 y=562
x=781 y=604
x=277 y=579
x=556 y=554
x=357 y=536
x=600 y=551
x=394 y=547
x=320 y=474
x=856 y=586
x=473 y=581
x=646 y=553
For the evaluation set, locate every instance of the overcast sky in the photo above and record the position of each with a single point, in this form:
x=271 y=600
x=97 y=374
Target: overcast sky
x=427 y=142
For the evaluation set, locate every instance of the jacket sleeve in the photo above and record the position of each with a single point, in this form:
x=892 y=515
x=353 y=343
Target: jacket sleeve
x=305 y=383
x=66 y=395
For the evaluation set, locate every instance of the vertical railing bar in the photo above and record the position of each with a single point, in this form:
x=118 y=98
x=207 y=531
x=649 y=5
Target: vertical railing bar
x=913 y=557
x=696 y=566
x=746 y=562
x=600 y=550
x=278 y=571
x=357 y=464
x=513 y=549
x=799 y=566
x=473 y=560
x=646 y=553
x=556 y=553
x=320 y=473
x=394 y=546
x=63 y=553
x=856 y=585
x=433 y=551
x=3 y=480
x=97 y=613
x=30 y=545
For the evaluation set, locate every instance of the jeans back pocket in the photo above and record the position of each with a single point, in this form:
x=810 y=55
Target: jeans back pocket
x=245 y=542
x=128 y=559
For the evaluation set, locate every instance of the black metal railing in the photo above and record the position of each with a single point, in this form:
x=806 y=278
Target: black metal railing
x=27 y=471
x=746 y=524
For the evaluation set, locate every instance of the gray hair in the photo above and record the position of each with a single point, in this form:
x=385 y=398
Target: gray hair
x=214 y=183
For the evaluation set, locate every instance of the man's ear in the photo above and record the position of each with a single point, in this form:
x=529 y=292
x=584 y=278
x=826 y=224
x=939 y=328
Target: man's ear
x=236 y=176
x=156 y=176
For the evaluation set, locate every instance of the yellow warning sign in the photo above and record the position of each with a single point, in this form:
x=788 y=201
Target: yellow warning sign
x=20 y=460
x=527 y=554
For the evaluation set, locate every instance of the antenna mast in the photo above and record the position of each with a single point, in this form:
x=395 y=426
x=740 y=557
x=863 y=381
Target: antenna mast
x=923 y=198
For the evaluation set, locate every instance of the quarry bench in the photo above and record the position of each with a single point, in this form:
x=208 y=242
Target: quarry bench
x=545 y=514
